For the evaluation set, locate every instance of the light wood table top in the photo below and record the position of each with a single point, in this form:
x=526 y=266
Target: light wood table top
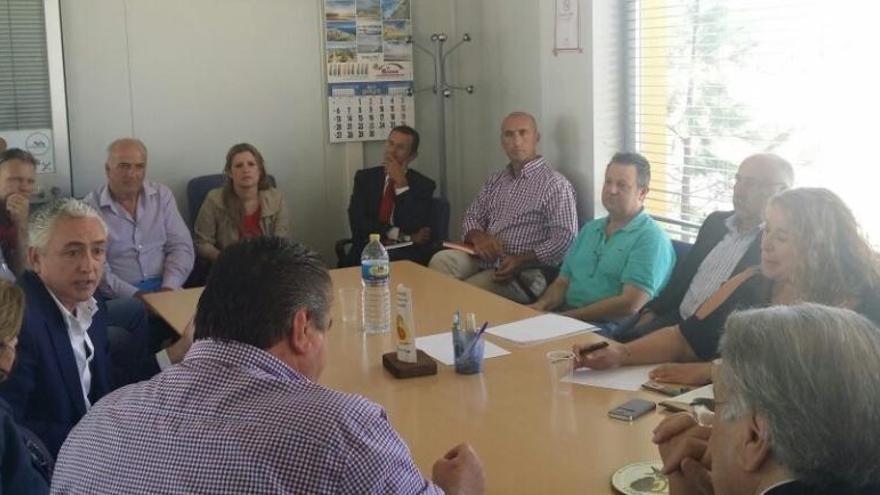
x=530 y=440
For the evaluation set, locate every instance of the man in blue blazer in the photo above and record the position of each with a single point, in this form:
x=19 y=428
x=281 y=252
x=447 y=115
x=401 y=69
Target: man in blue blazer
x=64 y=361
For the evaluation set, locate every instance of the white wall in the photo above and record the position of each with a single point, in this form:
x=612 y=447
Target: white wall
x=501 y=62
x=193 y=77
x=514 y=68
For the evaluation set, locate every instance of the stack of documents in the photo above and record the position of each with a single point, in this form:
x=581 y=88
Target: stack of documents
x=539 y=328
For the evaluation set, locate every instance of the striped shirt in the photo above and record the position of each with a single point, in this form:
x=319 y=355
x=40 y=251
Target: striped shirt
x=233 y=419
x=717 y=266
x=532 y=211
x=155 y=243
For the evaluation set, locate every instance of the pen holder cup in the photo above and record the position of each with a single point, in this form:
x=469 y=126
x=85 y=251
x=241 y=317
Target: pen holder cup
x=468 y=353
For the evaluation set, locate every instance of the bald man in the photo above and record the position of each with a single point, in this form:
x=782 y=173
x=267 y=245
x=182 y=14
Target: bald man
x=728 y=243
x=523 y=213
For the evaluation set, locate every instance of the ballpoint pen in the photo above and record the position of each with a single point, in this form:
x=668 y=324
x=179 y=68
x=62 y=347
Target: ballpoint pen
x=594 y=347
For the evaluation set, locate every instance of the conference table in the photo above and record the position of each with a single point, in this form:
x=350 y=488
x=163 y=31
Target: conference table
x=530 y=439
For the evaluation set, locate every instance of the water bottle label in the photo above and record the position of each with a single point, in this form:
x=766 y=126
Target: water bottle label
x=374 y=272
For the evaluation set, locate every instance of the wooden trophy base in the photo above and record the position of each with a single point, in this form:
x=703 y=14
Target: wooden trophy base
x=423 y=366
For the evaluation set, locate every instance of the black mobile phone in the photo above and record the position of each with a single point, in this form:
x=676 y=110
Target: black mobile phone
x=670 y=390
x=631 y=410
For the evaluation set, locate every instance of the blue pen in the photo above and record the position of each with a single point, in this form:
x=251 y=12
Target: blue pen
x=483 y=328
x=476 y=338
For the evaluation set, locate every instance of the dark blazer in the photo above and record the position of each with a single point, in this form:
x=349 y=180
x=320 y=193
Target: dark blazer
x=19 y=475
x=412 y=209
x=799 y=488
x=713 y=230
x=44 y=388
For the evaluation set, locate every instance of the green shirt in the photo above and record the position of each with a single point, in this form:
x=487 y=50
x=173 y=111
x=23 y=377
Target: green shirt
x=639 y=254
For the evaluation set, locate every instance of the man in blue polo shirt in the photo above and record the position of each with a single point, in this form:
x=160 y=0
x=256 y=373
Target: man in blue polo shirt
x=619 y=262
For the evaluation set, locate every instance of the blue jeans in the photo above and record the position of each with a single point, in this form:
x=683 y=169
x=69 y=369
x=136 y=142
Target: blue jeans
x=150 y=284
x=128 y=330
x=134 y=328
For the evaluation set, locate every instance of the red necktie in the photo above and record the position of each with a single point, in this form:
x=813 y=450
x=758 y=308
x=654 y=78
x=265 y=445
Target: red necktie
x=387 y=204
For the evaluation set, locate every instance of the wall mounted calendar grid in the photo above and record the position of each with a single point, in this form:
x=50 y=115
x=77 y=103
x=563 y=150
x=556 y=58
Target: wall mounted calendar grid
x=369 y=68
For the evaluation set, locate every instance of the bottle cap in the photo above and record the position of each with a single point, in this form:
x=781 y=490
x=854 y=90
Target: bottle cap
x=374 y=237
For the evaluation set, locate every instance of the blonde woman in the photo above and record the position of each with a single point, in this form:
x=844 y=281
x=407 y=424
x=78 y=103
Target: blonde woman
x=20 y=473
x=246 y=206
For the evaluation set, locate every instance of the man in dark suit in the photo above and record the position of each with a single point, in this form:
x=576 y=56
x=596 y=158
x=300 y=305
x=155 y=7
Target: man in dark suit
x=394 y=201
x=728 y=243
x=64 y=361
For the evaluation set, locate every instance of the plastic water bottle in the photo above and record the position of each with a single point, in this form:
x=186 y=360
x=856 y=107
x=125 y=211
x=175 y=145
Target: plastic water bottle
x=375 y=273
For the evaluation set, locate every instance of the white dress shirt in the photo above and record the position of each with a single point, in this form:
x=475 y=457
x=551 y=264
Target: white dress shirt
x=717 y=266
x=78 y=324
x=776 y=485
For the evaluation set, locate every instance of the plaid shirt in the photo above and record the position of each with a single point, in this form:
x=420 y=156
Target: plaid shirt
x=234 y=419
x=534 y=211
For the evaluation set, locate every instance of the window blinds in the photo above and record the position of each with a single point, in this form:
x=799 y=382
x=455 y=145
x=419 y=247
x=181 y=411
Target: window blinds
x=24 y=77
x=698 y=75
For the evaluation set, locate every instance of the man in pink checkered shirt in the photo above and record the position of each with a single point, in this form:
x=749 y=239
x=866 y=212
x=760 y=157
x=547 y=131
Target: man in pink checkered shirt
x=525 y=212
x=244 y=412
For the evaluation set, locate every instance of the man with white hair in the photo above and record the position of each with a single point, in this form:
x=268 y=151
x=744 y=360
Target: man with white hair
x=795 y=409
x=149 y=247
x=64 y=363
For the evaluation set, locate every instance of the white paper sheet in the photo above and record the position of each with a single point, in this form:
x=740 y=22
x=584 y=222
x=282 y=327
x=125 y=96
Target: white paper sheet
x=544 y=327
x=625 y=378
x=439 y=347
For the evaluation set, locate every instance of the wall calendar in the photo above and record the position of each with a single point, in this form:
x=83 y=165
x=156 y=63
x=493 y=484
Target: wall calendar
x=369 y=68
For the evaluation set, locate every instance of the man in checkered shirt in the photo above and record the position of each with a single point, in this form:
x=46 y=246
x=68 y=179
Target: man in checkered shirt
x=242 y=413
x=525 y=212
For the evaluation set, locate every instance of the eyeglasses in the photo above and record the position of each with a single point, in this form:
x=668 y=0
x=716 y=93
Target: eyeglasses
x=753 y=182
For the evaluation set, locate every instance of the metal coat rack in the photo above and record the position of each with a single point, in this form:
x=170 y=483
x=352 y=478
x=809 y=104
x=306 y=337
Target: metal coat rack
x=443 y=90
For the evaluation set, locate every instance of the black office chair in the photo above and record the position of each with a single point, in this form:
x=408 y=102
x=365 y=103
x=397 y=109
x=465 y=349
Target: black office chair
x=681 y=249
x=549 y=272
x=439 y=223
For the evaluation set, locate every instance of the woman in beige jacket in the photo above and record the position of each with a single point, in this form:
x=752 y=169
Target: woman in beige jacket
x=246 y=206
